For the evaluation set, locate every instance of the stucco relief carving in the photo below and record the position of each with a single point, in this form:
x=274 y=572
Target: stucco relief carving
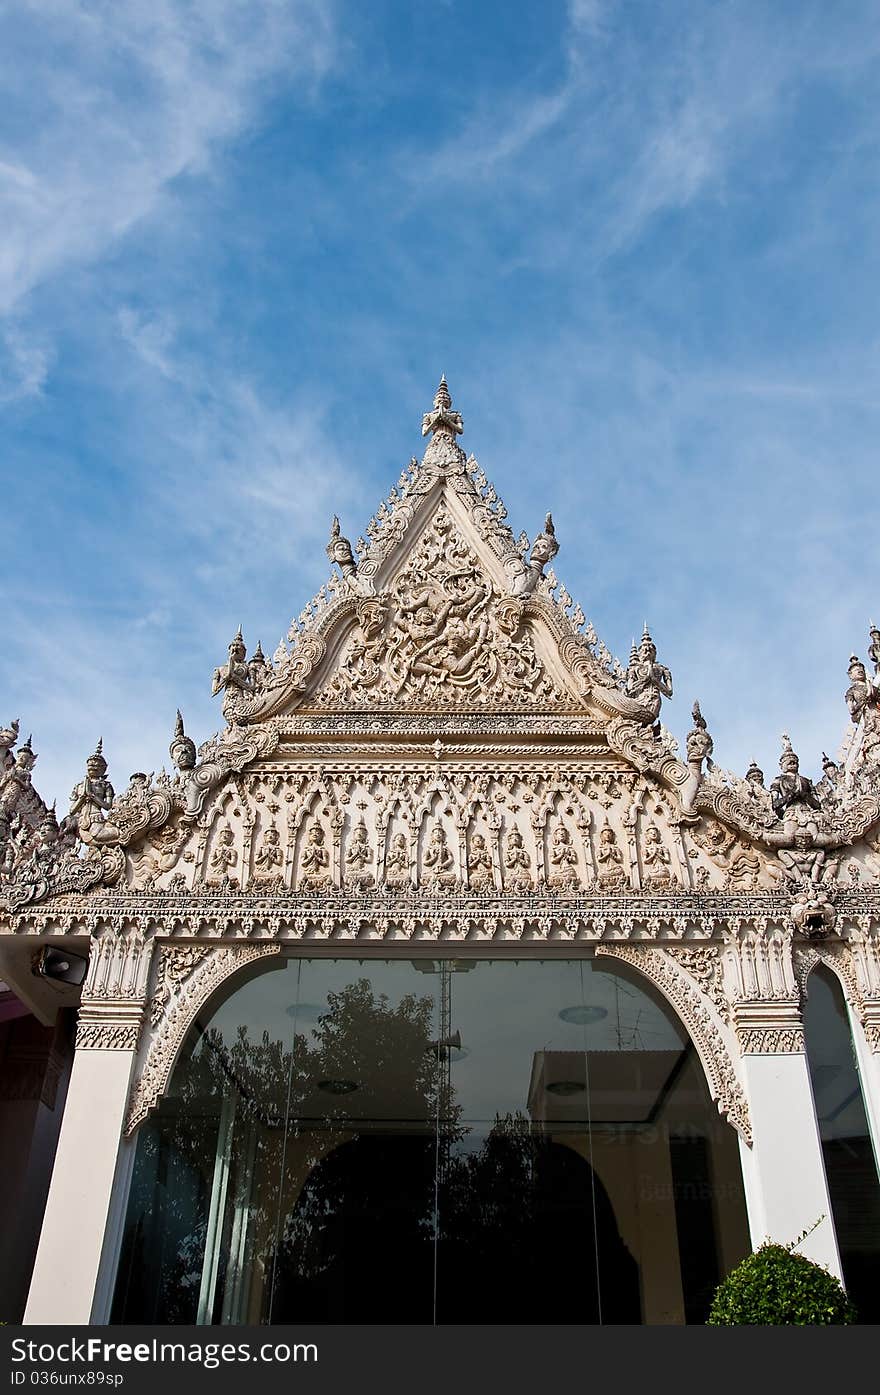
x=112 y=1006
x=443 y=636
x=762 y=986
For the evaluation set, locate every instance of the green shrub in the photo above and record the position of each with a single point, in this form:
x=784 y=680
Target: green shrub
x=774 y=1286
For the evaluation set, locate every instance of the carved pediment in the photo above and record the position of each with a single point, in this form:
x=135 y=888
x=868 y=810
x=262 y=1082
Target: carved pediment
x=442 y=634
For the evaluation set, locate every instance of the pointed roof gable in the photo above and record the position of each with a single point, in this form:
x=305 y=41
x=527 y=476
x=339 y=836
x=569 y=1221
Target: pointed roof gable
x=441 y=606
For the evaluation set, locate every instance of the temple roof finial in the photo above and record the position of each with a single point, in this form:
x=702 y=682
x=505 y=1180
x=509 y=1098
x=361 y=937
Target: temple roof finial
x=442 y=419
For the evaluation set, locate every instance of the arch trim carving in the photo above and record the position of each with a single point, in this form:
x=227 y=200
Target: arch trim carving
x=187 y=977
x=692 y=1008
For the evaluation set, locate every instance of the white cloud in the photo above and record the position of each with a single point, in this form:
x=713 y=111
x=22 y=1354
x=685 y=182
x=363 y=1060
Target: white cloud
x=114 y=100
x=24 y=364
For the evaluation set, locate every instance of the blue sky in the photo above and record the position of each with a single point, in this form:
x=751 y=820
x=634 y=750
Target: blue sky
x=241 y=239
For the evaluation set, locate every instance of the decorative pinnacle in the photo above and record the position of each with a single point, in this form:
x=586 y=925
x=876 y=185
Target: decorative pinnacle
x=178 y=725
x=442 y=418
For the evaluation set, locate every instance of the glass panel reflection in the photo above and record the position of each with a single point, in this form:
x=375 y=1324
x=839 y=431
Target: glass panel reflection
x=433 y=1141
x=850 y=1163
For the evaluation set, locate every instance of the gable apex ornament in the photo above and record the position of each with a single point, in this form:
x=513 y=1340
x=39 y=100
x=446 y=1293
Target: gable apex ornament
x=444 y=455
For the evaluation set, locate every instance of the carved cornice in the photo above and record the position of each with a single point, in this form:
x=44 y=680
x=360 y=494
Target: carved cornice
x=568 y=913
x=771 y=1026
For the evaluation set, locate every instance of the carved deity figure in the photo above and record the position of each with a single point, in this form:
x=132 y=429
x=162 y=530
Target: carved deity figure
x=363 y=663
x=863 y=701
x=517 y=863
x=803 y=862
x=793 y=795
x=182 y=749
x=91 y=800
x=397 y=859
x=609 y=858
x=224 y=857
x=874 y=649
x=233 y=678
x=258 y=669
x=8 y=738
x=563 y=857
x=656 y=858
x=699 y=743
x=270 y=858
x=359 y=854
x=544 y=549
x=15 y=781
x=438 y=862
x=339 y=550
x=648 y=682
x=479 y=862
x=314 y=863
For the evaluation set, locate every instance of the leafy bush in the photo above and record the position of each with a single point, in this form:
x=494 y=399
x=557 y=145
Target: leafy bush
x=774 y=1286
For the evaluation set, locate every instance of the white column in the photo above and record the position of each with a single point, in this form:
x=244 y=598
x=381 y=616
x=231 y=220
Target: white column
x=783 y=1170
x=66 y=1271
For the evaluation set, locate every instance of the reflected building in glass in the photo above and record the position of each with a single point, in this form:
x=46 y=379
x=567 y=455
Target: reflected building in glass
x=441 y=986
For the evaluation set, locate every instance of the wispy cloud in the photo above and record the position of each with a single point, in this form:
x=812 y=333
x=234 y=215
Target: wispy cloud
x=116 y=101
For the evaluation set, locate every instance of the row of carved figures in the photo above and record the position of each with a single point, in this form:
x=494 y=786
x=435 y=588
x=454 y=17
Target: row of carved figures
x=438 y=865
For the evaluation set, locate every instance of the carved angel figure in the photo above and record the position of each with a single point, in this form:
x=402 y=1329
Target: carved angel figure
x=863 y=701
x=359 y=854
x=15 y=783
x=8 y=738
x=438 y=861
x=233 y=678
x=314 y=864
x=648 y=682
x=479 y=862
x=563 y=856
x=609 y=857
x=517 y=863
x=224 y=857
x=91 y=800
x=270 y=858
x=397 y=859
x=656 y=857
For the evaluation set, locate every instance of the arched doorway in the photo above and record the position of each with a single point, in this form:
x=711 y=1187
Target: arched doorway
x=523 y=1140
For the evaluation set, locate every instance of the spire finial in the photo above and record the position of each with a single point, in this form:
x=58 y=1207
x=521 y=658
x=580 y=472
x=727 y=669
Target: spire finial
x=442 y=419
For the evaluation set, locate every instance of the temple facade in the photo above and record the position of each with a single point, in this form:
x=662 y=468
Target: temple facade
x=440 y=985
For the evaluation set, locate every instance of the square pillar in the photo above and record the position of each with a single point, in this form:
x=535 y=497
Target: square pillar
x=66 y=1271
x=783 y=1170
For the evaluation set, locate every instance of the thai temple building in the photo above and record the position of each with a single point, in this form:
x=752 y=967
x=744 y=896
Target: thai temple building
x=440 y=985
